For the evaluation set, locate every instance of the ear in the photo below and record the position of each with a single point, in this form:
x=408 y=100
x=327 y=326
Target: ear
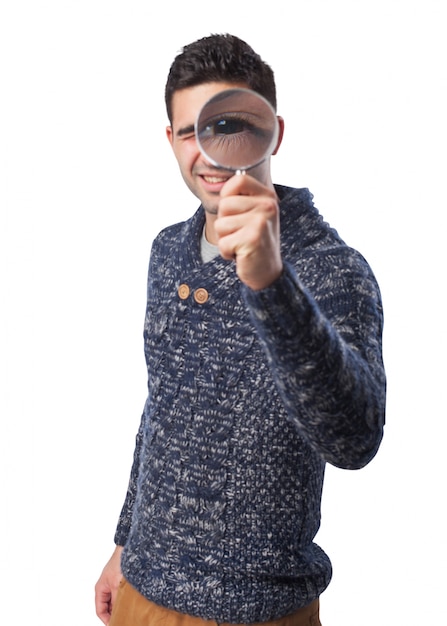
x=280 y=135
x=169 y=134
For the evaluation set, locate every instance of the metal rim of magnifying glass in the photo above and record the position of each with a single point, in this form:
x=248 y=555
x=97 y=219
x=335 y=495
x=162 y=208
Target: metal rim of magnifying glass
x=273 y=142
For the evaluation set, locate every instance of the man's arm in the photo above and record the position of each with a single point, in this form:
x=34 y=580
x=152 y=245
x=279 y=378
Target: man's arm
x=327 y=362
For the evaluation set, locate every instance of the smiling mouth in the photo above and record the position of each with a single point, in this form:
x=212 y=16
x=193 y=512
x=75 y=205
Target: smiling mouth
x=215 y=179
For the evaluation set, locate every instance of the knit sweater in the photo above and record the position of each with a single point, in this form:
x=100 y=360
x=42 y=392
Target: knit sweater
x=250 y=393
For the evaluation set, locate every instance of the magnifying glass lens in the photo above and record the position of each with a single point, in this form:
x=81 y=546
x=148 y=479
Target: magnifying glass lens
x=237 y=129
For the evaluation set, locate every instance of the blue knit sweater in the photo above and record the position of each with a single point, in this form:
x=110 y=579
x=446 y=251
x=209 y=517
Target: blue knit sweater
x=250 y=393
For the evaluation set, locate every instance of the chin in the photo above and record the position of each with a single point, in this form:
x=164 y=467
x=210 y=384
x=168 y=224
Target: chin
x=212 y=210
x=210 y=204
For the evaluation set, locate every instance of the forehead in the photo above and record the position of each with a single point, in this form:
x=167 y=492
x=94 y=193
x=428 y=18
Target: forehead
x=186 y=103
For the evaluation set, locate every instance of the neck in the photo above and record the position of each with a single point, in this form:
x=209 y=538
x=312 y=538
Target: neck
x=210 y=233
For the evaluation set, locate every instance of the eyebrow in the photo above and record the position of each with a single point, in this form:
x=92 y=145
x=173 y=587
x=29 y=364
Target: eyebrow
x=186 y=130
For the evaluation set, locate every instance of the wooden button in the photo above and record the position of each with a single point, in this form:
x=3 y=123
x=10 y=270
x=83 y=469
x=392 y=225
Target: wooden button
x=183 y=291
x=201 y=295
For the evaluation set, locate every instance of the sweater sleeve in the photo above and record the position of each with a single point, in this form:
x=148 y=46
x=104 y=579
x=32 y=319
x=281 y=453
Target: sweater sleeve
x=125 y=518
x=325 y=353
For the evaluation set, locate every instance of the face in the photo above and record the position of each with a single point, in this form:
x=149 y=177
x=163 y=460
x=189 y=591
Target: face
x=203 y=179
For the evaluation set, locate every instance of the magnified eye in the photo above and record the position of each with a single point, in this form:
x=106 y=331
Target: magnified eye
x=227 y=126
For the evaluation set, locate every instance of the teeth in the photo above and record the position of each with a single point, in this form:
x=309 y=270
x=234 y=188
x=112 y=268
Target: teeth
x=214 y=179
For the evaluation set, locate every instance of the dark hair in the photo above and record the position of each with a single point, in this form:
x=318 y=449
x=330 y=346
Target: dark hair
x=219 y=58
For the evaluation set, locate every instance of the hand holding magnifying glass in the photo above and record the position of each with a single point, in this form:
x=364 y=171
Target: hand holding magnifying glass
x=237 y=129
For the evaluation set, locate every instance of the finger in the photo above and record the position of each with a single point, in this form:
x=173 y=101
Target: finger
x=239 y=238
x=114 y=594
x=104 y=613
x=241 y=185
x=103 y=605
x=234 y=205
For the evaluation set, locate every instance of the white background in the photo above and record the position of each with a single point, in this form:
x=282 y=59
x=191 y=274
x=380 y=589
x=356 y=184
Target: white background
x=87 y=179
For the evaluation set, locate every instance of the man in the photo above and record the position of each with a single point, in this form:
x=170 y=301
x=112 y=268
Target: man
x=263 y=347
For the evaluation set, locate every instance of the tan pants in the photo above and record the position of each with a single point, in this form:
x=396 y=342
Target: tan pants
x=133 y=609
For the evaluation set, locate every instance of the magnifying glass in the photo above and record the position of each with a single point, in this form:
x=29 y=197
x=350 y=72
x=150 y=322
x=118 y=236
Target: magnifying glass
x=237 y=129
